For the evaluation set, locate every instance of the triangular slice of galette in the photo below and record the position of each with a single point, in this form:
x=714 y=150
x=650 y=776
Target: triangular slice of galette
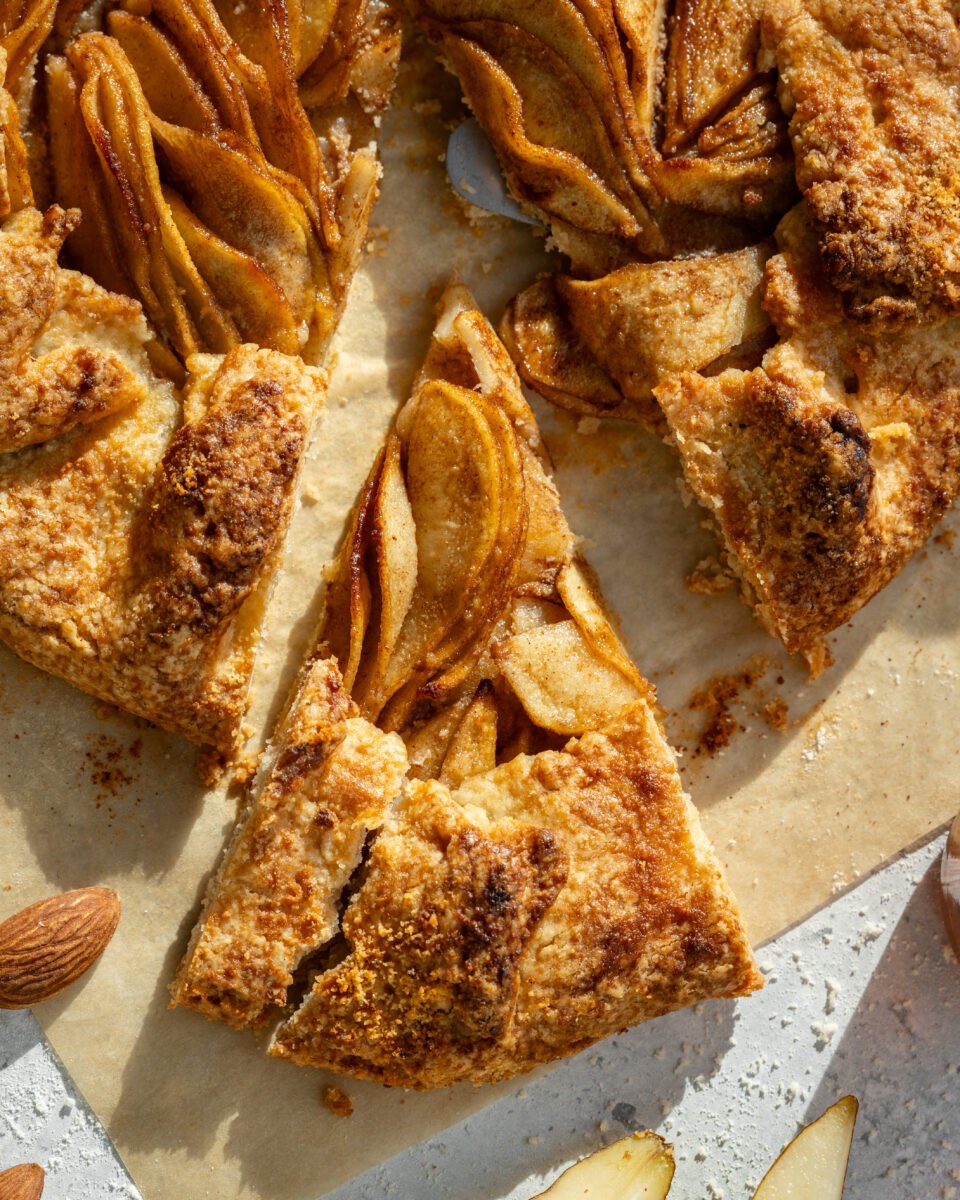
x=472 y=770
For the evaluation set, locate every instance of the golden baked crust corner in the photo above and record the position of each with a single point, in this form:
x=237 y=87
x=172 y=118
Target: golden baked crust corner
x=524 y=915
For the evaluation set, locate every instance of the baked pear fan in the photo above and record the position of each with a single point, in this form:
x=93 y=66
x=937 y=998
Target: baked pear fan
x=570 y=96
x=600 y=346
x=539 y=880
x=827 y=467
x=182 y=133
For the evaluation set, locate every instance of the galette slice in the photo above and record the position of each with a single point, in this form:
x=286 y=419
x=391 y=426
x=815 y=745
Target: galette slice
x=524 y=849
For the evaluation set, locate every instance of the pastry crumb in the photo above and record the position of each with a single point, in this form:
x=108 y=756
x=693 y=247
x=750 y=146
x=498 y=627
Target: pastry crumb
x=245 y=768
x=709 y=577
x=337 y=1101
x=777 y=713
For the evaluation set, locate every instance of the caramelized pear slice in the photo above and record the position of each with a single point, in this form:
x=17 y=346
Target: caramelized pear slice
x=561 y=683
x=648 y=321
x=118 y=122
x=713 y=54
x=242 y=203
x=468 y=638
x=579 y=43
x=24 y=26
x=394 y=540
x=454 y=482
x=16 y=190
x=814 y=1165
x=172 y=90
x=473 y=748
x=242 y=287
x=537 y=331
x=580 y=594
x=428 y=741
x=76 y=172
x=637 y=1166
x=553 y=179
x=357 y=584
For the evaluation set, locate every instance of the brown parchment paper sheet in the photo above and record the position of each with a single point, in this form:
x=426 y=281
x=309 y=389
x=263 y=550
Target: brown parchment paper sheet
x=88 y=795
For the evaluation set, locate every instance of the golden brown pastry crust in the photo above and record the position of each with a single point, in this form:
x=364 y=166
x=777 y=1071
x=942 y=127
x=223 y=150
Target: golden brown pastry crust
x=534 y=910
x=874 y=107
x=127 y=566
x=330 y=781
x=827 y=468
x=87 y=375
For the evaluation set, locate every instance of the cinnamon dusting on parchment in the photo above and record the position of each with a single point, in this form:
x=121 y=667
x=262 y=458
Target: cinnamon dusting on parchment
x=719 y=696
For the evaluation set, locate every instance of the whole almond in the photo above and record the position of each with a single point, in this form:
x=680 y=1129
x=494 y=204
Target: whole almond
x=23 y=1182
x=45 y=947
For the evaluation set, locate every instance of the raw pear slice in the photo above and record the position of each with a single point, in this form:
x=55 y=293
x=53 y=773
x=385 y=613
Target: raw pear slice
x=814 y=1165
x=639 y=1167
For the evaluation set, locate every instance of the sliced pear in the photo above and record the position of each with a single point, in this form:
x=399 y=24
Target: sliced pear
x=395 y=543
x=23 y=30
x=454 y=483
x=241 y=286
x=561 y=184
x=551 y=358
x=171 y=88
x=473 y=749
x=560 y=682
x=460 y=650
x=639 y=1167
x=428 y=742
x=814 y=1165
x=579 y=591
x=647 y=321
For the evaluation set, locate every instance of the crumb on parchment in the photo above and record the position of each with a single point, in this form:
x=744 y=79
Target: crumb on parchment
x=337 y=1101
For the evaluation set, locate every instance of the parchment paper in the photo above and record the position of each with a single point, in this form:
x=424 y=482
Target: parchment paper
x=87 y=795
